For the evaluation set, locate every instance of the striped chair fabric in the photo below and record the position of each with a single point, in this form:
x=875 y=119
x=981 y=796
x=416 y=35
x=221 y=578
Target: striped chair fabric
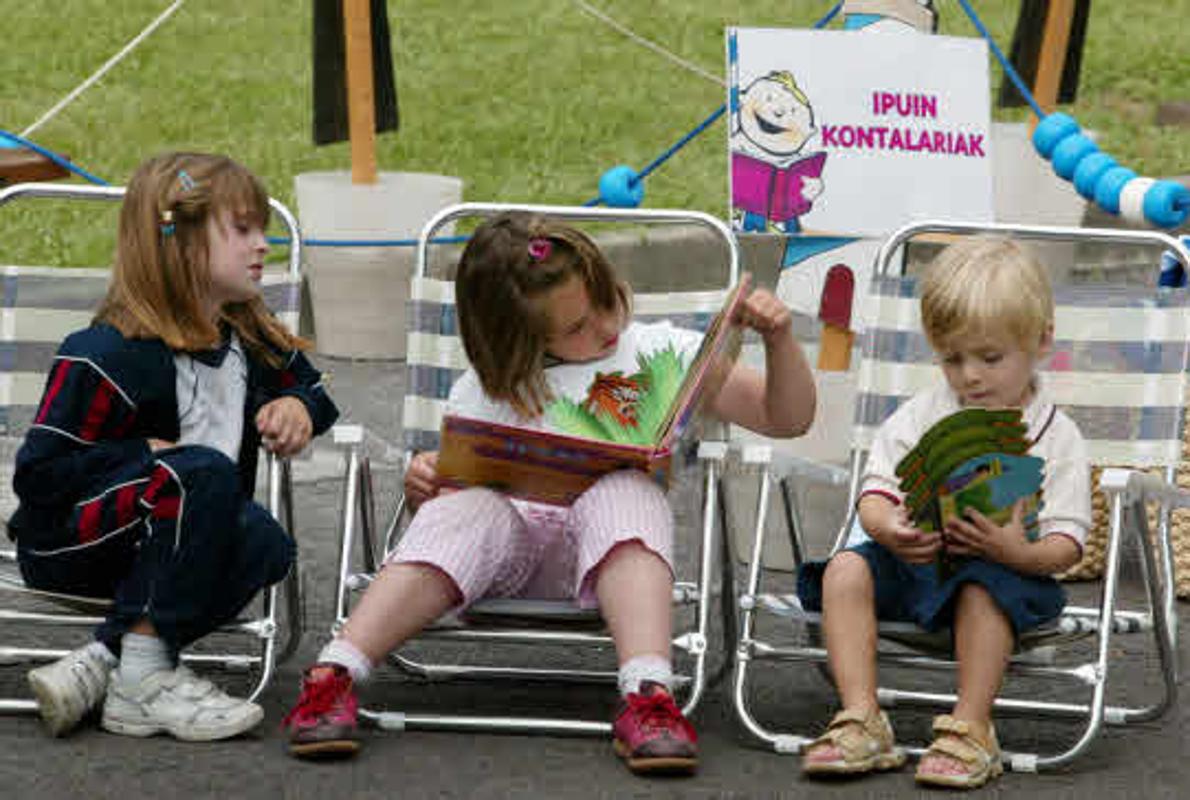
x=1118 y=368
x=39 y=306
x=435 y=356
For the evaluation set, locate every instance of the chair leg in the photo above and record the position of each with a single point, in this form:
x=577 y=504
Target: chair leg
x=746 y=646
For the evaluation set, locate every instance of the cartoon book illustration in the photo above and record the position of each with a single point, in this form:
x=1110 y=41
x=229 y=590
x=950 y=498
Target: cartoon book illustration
x=834 y=311
x=773 y=192
x=625 y=422
x=973 y=459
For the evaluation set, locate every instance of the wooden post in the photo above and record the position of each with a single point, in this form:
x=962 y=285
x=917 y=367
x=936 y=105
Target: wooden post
x=1055 y=39
x=361 y=108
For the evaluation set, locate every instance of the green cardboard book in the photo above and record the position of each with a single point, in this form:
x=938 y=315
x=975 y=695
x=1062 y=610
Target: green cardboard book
x=973 y=459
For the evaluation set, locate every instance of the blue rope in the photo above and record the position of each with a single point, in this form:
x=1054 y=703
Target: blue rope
x=702 y=126
x=52 y=156
x=1015 y=77
x=1009 y=70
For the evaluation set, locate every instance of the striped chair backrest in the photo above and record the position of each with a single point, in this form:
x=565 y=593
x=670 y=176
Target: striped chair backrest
x=1118 y=368
x=435 y=356
x=39 y=306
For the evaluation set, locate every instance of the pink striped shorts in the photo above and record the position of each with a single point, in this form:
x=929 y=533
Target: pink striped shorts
x=491 y=546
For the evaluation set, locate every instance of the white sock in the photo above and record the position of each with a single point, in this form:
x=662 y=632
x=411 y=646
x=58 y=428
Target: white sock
x=141 y=656
x=99 y=650
x=342 y=652
x=635 y=671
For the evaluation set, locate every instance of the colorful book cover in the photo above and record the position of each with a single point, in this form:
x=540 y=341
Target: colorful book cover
x=625 y=421
x=973 y=459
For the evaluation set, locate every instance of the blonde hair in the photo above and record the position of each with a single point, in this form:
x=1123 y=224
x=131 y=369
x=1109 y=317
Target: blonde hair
x=785 y=78
x=986 y=285
x=161 y=276
x=498 y=289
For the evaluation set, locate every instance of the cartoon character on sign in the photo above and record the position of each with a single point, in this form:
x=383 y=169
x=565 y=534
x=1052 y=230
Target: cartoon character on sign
x=773 y=182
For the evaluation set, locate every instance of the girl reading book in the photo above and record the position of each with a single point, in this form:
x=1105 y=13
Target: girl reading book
x=544 y=320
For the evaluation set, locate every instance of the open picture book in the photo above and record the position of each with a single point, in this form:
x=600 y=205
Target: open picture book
x=624 y=422
x=973 y=459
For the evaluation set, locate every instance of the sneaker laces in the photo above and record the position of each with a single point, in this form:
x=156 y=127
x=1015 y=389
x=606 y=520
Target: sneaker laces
x=317 y=698
x=657 y=712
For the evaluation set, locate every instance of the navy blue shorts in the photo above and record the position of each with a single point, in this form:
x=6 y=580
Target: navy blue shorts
x=915 y=593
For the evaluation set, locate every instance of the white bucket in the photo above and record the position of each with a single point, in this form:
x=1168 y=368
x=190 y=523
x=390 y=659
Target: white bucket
x=359 y=294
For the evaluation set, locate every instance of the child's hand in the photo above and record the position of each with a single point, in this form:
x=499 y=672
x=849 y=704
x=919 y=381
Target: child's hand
x=1004 y=544
x=284 y=425
x=764 y=313
x=908 y=543
x=421 y=478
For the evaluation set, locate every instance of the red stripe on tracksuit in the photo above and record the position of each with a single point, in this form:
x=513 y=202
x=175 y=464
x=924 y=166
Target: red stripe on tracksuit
x=160 y=476
x=89 y=520
x=167 y=508
x=60 y=370
x=101 y=403
x=125 y=505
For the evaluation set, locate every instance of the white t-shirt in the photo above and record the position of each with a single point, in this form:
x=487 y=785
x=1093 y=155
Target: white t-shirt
x=574 y=380
x=1066 y=483
x=211 y=399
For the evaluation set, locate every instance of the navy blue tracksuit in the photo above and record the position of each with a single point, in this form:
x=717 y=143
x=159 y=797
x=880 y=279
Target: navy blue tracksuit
x=173 y=536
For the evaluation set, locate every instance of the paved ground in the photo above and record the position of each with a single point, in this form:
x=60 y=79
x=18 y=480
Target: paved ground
x=1146 y=761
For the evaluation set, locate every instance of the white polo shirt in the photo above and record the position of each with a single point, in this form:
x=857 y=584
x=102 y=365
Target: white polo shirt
x=1066 y=483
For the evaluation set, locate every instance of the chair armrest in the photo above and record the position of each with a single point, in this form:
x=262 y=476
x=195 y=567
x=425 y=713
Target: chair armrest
x=784 y=464
x=1136 y=485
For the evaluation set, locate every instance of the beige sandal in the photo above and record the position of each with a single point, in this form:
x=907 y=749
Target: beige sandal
x=953 y=740
x=866 y=744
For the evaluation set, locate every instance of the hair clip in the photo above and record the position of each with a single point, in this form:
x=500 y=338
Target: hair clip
x=167 y=223
x=185 y=180
x=540 y=249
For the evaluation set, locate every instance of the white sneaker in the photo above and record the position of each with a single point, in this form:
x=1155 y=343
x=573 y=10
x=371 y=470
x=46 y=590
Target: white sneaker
x=179 y=703
x=70 y=687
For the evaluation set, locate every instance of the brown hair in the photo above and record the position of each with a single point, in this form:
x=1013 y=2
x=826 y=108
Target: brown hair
x=986 y=284
x=161 y=275
x=498 y=288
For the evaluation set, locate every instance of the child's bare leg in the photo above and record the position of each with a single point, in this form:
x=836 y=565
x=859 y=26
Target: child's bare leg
x=983 y=645
x=849 y=625
x=402 y=600
x=635 y=593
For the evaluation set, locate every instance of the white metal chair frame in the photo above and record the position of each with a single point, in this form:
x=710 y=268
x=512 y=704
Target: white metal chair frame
x=1128 y=491
x=86 y=612
x=358 y=512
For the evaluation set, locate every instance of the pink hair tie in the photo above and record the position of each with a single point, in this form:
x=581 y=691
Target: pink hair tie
x=540 y=249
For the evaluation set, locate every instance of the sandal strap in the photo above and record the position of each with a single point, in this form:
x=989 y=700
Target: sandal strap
x=953 y=738
x=965 y=750
x=945 y=723
x=847 y=717
x=849 y=731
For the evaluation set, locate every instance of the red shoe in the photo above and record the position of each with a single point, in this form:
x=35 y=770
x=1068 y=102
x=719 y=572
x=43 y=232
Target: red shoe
x=324 y=722
x=651 y=735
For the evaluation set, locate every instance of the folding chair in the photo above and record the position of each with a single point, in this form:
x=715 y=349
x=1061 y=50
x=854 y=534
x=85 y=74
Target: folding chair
x=435 y=360
x=39 y=306
x=1119 y=371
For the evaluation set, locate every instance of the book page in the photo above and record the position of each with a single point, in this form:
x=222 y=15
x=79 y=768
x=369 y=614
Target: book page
x=710 y=367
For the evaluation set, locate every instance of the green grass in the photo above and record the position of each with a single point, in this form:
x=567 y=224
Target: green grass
x=526 y=100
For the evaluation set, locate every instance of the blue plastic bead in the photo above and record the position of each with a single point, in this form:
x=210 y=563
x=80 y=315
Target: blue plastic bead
x=1109 y=186
x=1162 y=202
x=621 y=187
x=1051 y=130
x=1069 y=152
x=1088 y=172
